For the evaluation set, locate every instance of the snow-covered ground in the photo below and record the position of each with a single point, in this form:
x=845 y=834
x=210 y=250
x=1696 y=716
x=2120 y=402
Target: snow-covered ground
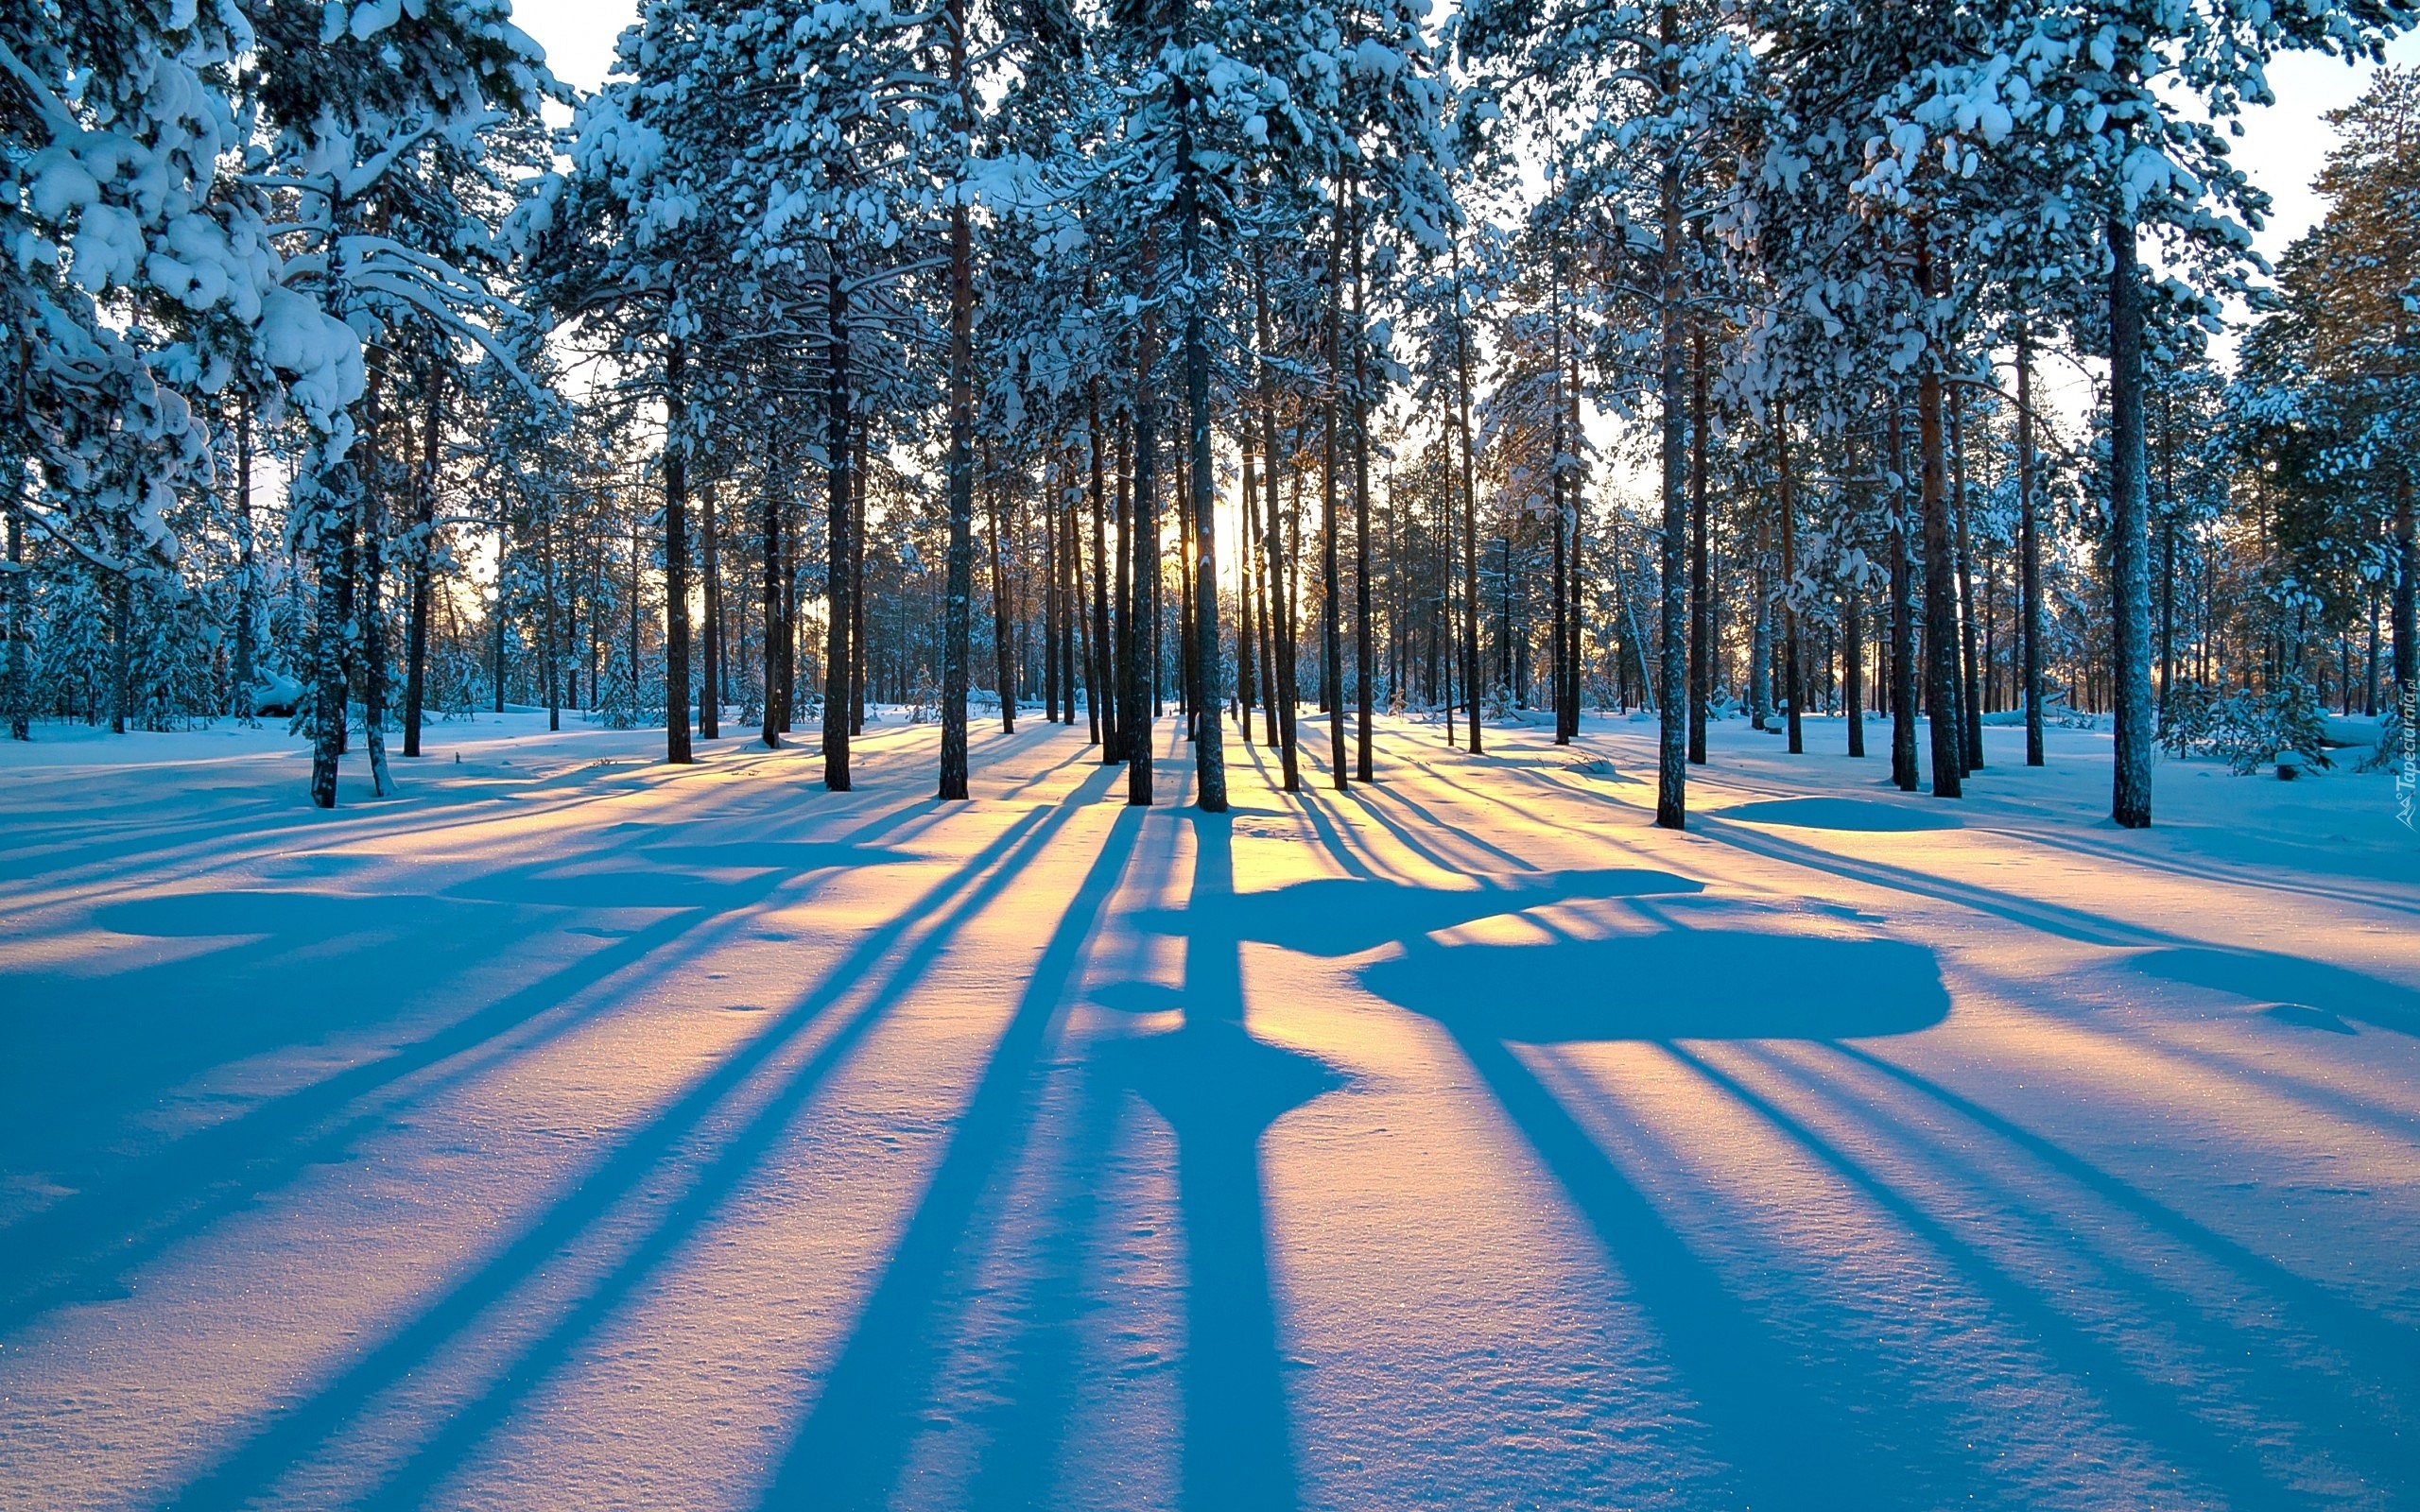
x=574 y=1131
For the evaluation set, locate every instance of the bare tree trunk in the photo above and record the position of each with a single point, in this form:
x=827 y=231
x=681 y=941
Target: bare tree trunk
x=2407 y=600
x=777 y=634
x=1361 y=654
x=710 y=569
x=1700 y=588
x=246 y=573
x=1182 y=492
x=1004 y=610
x=1127 y=637
x=1970 y=688
x=959 y=590
x=1559 y=634
x=1672 y=682
x=2131 y=789
x=1331 y=638
x=503 y=543
x=330 y=488
x=1209 y=748
x=2028 y=550
x=371 y=613
x=416 y=557
x=1471 y=667
x=1143 y=628
x=122 y=639
x=1853 y=665
x=18 y=696
x=1903 y=616
x=547 y=634
x=1264 y=545
x=1103 y=699
x=1940 y=604
x=1248 y=617
x=839 y=650
x=1793 y=683
x=676 y=555
x=857 y=658
x=1283 y=690
x=1075 y=644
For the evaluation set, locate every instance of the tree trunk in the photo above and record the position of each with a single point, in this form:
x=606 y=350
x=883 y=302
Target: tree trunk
x=1331 y=637
x=676 y=556
x=1249 y=615
x=1361 y=655
x=503 y=541
x=1283 y=689
x=1575 y=636
x=958 y=592
x=777 y=633
x=2167 y=550
x=839 y=652
x=1128 y=639
x=859 y=665
x=370 y=588
x=1075 y=644
x=1559 y=630
x=710 y=639
x=1700 y=588
x=2407 y=595
x=1264 y=551
x=1853 y=665
x=1672 y=684
x=1793 y=681
x=547 y=635
x=330 y=487
x=416 y=554
x=1188 y=698
x=1103 y=699
x=1903 y=614
x=2128 y=554
x=18 y=695
x=122 y=638
x=1940 y=606
x=1209 y=750
x=1143 y=628
x=1470 y=665
x=1970 y=689
x=1004 y=612
x=2029 y=551
x=247 y=574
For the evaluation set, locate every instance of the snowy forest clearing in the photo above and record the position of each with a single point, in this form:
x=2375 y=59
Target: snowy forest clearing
x=575 y=1131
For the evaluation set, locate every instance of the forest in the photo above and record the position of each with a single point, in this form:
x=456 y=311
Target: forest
x=1210 y=755
x=844 y=363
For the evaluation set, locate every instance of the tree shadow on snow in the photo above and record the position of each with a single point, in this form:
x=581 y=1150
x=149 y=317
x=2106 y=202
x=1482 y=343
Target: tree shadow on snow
x=140 y=1034
x=1870 y=815
x=2322 y=993
x=1672 y=984
x=646 y=1156
x=1794 y=1424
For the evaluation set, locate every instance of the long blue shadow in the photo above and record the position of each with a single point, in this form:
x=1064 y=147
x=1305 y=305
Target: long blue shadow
x=2382 y=1348
x=854 y=1442
x=1219 y=1088
x=256 y=1464
x=2221 y=1459
x=161 y=1030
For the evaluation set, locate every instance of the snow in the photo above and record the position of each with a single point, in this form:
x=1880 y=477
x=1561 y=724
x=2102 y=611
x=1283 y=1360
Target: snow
x=574 y=1130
